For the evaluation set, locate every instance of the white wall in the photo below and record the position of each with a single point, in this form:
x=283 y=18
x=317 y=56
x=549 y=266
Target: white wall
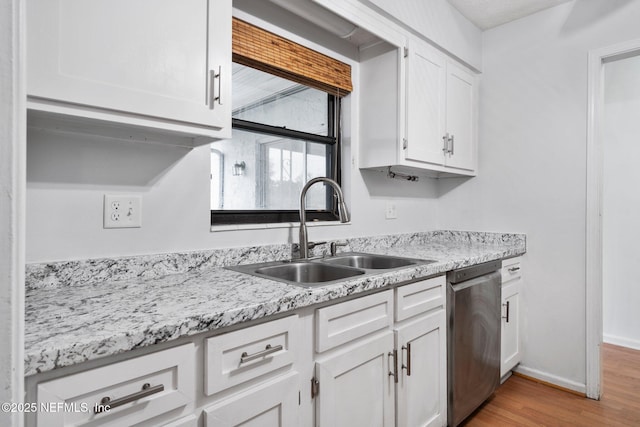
x=67 y=176
x=532 y=167
x=12 y=193
x=621 y=202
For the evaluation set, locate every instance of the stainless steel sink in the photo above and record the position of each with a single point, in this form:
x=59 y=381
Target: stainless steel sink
x=308 y=272
x=311 y=273
x=370 y=261
x=304 y=273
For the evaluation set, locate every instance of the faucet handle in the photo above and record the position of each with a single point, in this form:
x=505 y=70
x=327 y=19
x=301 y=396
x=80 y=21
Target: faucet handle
x=312 y=245
x=334 y=246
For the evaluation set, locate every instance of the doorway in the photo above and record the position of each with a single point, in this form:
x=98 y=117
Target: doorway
x=621 y=201
x=597 y=132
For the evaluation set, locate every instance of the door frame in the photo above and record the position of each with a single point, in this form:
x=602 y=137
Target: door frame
x=12 y=205
x=594 y=206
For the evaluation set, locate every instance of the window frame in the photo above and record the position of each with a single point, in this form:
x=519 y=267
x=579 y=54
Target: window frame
x=333 y=144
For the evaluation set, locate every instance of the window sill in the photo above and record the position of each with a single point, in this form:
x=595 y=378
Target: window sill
x=217 y=228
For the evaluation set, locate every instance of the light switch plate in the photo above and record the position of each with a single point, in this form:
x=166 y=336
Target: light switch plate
x=122 y=211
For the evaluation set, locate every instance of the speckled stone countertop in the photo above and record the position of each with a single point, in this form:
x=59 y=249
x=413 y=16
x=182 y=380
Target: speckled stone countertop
x=83 y=310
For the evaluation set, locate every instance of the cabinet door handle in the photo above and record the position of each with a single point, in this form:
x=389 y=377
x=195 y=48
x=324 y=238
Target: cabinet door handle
x=393 y=372
x=507 y=316
x=213 y=98
x=408 y=367
x=445 y=139
x=107 y=404
x=452 y=145
x=513 y=269
x=219 y=76
x=245 y=357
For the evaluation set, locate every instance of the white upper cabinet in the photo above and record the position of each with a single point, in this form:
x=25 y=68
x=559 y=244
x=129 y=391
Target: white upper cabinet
x=155 y=64
x=418 y=111
x=460 y=118
x=426 y=105
x=441 y=106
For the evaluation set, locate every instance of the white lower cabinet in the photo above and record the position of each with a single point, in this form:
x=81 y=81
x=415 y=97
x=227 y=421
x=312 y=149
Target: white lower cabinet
x=272 y=404
x=422 y=377
x=511 y=348
x=190 y=421
x=136 y=391
x=356 y=386
x=378 y=360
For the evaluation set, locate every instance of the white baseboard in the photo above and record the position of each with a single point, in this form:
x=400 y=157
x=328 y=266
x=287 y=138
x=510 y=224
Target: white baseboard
x=553 y=379
x=621 y=341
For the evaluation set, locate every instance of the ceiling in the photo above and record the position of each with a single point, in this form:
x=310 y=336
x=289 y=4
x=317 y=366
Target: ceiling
x=491 y=13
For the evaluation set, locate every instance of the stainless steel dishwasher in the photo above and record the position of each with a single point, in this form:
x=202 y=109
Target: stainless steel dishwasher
x=473 y=338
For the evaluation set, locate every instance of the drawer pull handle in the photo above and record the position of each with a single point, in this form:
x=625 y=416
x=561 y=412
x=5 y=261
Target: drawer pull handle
x=514 y=269
x=106 y=403
x=245 y=357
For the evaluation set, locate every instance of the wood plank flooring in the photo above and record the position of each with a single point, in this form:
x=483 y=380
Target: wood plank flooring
x=522 y=402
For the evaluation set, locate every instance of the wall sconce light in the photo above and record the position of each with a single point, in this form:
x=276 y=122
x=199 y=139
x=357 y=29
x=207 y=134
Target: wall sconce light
x=238 y=168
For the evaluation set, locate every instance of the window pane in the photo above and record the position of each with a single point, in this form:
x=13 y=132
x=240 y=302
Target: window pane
x=276 y=169
x=264 y=98
x=217 y=162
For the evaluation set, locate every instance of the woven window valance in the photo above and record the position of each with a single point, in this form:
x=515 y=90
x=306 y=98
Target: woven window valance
x=268 y=52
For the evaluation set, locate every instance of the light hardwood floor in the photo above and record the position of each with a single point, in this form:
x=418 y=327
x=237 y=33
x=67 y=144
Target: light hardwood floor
x=522 y=402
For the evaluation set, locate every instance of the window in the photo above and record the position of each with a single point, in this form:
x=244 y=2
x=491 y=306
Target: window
x=285 y=132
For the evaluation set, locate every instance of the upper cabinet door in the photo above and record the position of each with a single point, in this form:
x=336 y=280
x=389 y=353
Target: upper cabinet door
x=460 y=118
x=159 y=59
x=426 y=80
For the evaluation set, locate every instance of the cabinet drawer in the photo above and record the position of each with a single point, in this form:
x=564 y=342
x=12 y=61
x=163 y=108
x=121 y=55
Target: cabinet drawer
x=341 y=323
x=169 y=373
x=511 y=269
x=419 y=297
x=240 y=356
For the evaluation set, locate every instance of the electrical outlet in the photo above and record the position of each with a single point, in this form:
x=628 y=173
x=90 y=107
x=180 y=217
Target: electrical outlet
x=390 y=212
x=122 y=211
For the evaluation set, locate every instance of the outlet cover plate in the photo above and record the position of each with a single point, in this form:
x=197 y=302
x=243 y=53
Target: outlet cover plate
x=390 y=211
x=122 y=211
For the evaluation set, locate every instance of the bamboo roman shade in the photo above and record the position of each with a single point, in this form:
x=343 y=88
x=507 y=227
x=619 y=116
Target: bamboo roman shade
x=268 y=52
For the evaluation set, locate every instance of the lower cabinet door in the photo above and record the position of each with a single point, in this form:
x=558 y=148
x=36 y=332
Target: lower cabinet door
x=510 y=353
x=355 y=388
x=422 y=382
x=273 y=404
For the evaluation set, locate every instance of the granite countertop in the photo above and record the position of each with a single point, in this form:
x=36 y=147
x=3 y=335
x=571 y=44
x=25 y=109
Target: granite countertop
x=137 y=302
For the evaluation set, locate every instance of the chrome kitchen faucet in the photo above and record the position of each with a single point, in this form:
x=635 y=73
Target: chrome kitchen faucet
x=343 y=213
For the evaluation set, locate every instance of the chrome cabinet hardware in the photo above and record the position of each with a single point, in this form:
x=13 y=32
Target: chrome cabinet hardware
x=315 y=387
x=513 y=269
x=213 y=98
x=107 y=404
x=445 y=139
x=404 y=143
x=269 y=349
x=393 y=372
x=408 y=366
x=507 y=316
x=452 y=144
